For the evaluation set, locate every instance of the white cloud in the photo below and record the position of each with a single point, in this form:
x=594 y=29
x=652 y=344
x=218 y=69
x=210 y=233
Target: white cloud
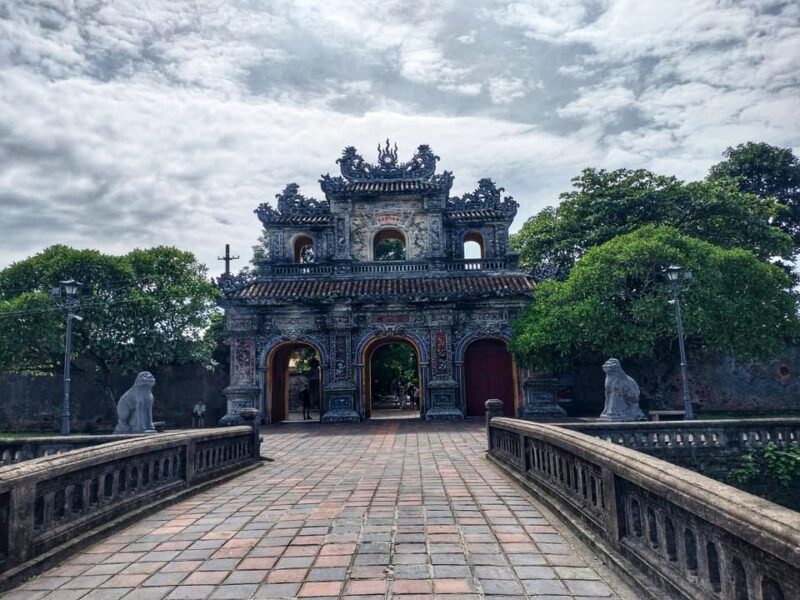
x=144 y=122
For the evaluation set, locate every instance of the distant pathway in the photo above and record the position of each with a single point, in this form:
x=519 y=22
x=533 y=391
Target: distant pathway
x=389 y=509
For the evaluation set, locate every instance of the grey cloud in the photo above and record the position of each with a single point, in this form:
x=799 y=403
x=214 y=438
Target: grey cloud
x=122 y=126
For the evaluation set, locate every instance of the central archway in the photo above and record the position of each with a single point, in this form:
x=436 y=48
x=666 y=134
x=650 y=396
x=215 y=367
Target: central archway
x=392 y=383
x=293 y=376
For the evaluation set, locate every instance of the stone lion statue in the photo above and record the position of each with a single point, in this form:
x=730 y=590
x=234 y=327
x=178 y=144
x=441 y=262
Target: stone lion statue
x=135 y=408
x=622 y=395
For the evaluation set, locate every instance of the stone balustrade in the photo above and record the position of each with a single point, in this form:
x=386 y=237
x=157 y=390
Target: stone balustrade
x=52 y=503
x=683 y=441
x=406 y=266
x=18 y=449
x=676 y=533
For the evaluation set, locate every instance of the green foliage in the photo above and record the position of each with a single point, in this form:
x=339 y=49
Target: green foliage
x=390 y=250
x=615 y=303
x=147 y=308
x=747 y=470
x=606 y=204
x=772 y=464
x=392 y=364
x=770 y=172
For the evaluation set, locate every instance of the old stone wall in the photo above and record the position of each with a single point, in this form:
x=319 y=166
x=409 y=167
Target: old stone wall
x=33 y=403
x=718 y=384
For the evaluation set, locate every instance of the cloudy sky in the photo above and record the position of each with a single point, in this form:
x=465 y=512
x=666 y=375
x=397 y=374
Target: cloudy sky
x=128 y=123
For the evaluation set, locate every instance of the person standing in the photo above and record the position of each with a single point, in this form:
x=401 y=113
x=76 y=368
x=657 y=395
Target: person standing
x=199 y=414
x=305 y=398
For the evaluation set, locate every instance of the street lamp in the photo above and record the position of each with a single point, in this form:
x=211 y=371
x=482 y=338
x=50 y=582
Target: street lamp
x=65 y=296
x=675 y=275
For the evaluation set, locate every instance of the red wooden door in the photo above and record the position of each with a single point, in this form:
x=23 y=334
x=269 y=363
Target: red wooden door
x=488 y=373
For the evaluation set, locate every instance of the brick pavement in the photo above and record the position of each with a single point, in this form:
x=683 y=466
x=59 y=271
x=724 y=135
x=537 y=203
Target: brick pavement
x=390 y=509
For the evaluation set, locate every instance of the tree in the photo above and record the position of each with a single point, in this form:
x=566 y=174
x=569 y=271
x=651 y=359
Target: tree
x=767 y=171
x=606 y=204
x=147 y=308
x=615 y=303
x=393 y=364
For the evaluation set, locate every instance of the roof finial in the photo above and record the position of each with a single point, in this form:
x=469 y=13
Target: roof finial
x=387 y=156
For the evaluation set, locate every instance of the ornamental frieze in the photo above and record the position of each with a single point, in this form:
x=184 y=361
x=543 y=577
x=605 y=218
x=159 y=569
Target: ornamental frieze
x=241 y=323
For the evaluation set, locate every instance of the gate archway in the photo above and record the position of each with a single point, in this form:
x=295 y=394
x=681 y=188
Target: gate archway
x=369 y=390
x=290 y=367
x=489 y=372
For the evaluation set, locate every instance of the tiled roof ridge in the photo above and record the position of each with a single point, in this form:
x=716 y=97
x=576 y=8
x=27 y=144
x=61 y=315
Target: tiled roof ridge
x=320 y=288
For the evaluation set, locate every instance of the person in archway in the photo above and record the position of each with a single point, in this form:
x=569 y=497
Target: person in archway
x=414 y=393
x=305 y=398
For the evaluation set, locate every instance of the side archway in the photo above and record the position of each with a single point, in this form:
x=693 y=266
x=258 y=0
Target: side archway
x=288 y=367
x=487 y=370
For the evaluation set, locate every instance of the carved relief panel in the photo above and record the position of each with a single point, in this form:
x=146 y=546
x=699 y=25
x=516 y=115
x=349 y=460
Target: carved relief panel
x=341 y=356
x=441 y=355
x=243 y=361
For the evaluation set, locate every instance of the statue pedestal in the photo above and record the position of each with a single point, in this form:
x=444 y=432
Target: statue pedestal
x=540 y=399
x=341 y=401
x=441 y=402
x=238 y=399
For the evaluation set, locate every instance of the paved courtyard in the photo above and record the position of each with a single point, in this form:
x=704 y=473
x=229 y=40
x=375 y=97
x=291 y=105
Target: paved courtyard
x=388 y=509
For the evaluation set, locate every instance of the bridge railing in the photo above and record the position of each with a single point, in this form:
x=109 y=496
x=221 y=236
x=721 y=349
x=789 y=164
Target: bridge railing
x=689 y=535
x=14 y=450
x=50 y=503
x=664 y=438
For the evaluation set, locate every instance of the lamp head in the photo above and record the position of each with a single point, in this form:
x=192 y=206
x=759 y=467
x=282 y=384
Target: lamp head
x=673 y=272
x=70 y=287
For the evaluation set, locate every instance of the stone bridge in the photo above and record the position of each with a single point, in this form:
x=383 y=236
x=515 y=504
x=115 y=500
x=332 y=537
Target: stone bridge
x=394 y=509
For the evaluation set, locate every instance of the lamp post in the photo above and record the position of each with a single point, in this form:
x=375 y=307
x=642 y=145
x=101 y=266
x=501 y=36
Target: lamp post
x=675 y=275
x=65 y=296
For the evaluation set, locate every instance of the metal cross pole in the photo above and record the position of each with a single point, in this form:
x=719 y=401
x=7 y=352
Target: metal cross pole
x=688 y=412
x=70 y=288
x=228 y=258
x=675 y=274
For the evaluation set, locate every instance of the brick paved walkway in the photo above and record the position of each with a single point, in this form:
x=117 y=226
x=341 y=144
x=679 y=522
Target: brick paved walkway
x=398 y=509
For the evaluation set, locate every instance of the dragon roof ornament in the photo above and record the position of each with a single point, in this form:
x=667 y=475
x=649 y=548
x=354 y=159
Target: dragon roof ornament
x=291 y=202
x=354 y=169
x=486 y=196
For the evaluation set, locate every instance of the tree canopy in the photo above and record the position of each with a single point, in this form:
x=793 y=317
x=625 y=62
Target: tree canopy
x=770 y=172
x=147 y=308
x=615 y=303
x=605 y=204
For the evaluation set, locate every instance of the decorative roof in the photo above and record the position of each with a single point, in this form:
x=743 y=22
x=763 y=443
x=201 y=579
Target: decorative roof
x=294 y=208
x=355 y=170
x=486 y=197
x=472 y=286
x=476 y=215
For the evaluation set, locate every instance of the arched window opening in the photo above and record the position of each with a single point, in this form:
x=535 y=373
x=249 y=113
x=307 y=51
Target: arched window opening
x=652 y=527
x=770 y=590
x=636 y=518
x=712 y=560
x=303 y=250
x=389 y=245
x=740 y=591
x=690 y=545
x=473 y=245
x=669 y=537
